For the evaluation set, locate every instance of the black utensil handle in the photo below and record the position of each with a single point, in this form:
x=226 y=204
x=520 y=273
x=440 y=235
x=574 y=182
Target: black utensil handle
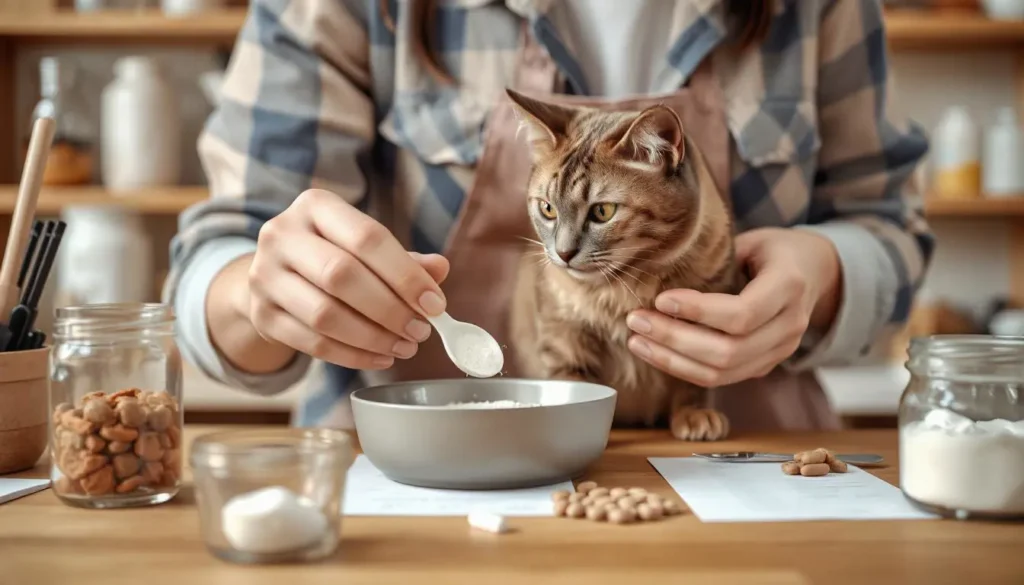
x=19 y=327
x=37 y=264
x=51 y=253
x=26 y=262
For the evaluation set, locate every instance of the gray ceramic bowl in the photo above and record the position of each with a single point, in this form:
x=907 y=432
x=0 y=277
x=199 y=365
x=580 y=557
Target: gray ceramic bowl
x=411 y=434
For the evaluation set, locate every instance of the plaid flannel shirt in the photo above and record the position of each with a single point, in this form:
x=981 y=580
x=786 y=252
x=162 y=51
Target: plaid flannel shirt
x=322 y=94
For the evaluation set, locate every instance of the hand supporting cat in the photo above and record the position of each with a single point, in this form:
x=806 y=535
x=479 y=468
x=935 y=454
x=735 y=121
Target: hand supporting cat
x=625 y=209
x=713 y=339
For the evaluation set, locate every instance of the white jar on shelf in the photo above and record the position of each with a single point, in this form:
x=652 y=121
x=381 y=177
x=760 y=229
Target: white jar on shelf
x=1003 y=165
x=141 y=129
x=956 y=156
x=186 y=7
x=106 y=257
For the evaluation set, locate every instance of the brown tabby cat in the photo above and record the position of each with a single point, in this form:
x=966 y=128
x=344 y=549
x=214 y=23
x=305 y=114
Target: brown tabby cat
x=625 y=208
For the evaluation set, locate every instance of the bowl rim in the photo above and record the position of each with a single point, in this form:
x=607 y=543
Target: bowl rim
x=356 y=395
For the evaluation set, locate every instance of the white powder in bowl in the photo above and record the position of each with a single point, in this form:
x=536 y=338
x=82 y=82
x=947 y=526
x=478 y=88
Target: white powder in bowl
x=490 y=404
x=950 y=461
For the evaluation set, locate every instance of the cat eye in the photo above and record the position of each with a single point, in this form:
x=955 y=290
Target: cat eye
x=602 y=212
x=547 y=210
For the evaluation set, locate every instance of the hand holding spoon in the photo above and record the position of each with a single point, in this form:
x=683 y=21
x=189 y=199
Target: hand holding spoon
x=470 y=347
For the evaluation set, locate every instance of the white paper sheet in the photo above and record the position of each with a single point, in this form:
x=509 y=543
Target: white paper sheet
x=760 y=492
x=368 y=492
x=12 y=489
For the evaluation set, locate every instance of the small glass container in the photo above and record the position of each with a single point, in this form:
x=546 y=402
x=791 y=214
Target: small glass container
x=115 y=400
x=961 y=421
x=72 y=155
x=271 y=496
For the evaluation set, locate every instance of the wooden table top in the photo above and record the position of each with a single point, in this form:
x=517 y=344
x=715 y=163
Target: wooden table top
x=43 y=541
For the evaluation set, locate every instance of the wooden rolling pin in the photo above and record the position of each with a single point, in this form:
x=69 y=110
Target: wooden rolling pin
x=24 y=213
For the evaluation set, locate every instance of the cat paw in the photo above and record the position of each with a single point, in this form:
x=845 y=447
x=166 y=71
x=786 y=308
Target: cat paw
x=699 y=424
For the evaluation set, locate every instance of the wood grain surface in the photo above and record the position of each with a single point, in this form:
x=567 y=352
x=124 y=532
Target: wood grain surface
x=43 y=541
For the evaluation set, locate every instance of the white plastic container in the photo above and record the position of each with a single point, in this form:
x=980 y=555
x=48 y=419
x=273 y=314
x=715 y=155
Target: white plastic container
x=187 y=7
x=1004 y=9
x=956 y=158
x=1003 y=168
x=106 y=257
x=141 y=130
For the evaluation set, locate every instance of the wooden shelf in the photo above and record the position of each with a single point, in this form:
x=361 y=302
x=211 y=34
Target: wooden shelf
x=907 y=29
x=921 y=30
x=1003 y=207
x=145 y=26
x=164 y=201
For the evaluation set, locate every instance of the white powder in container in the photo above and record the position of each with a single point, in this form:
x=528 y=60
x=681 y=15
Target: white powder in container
x=272 y=520
x=950 y=461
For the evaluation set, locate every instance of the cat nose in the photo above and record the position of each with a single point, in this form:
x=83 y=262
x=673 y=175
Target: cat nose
x=567 y=255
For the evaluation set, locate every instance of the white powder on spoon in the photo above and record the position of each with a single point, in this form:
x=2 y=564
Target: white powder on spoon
x=490 y=404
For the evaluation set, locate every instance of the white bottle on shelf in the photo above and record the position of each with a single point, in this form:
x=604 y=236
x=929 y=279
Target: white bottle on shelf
x=112 y=243
x=957 y=163
x=1003 y=167
x=141 y=131
x=187 y=7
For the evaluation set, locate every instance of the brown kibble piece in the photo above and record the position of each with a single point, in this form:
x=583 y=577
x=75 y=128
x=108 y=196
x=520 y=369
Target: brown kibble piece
x=559 y=507
x=560 y=495
x=126 y=393
x=160 y=418
x=125 y=465
x=148 y=447
x=81 y=466
x=811 y=457
x=626 y=503
x=100 y=482
x=94 y=443
x=131 y=412
x=602 y=501
x=617 y=516
x=596 y=513
x=174 y=434
x=838 y=466
x=791 y=468
x=586 y=486
x=657 y=509
x=814 y=470
x=648 y=513
x=165 y=442
x=130 y=485
x=66 y=485
x=59 y=410
x=671 y=508
x=75 y=424
x=152 y=472
x=575 y=510
x=119 y=433
x=654 y=500
x=598 y=492
x=93 y=396
x=98 y=412
x=617 y=492
x=119 y=446
x=169 y=477
x=637 y=492
x=576 y=497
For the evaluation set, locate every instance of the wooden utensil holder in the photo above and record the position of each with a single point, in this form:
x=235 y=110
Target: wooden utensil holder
x=24 y=408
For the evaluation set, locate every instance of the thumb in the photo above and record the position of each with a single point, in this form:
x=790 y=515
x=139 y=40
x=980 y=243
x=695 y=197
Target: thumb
x=436 y=265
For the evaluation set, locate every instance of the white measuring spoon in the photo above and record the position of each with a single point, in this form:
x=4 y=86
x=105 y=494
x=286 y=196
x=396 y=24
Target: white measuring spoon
x=470 y=347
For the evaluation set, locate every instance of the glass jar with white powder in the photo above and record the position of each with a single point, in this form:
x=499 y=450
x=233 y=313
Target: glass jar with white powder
x=961 y=421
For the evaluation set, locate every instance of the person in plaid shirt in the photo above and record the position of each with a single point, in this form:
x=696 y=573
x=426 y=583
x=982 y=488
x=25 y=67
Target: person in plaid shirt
x=350 y=136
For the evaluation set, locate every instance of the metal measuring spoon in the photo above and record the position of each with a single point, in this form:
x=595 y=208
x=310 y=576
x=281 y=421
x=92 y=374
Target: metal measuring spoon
x=470 y=347
x=756 y=457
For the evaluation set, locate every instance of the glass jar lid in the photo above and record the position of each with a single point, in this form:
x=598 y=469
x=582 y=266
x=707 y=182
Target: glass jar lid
x=263 y=449
x=109 y=322
x=968 y=358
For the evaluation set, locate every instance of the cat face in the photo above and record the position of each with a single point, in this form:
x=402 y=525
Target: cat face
x=608 y=191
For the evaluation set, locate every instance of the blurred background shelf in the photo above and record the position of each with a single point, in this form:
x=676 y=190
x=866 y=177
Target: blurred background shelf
x=170 y=201
x=1003 y=207
x=149 y=26
x=907 y=29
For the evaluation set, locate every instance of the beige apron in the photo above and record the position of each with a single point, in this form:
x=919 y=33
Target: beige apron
x=485 y=245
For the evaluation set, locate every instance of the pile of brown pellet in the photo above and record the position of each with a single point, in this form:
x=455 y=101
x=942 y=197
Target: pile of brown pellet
x=814 y=463
x=617 y=505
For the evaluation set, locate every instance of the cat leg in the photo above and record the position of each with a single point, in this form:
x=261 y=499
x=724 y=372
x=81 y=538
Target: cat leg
x=691 y=422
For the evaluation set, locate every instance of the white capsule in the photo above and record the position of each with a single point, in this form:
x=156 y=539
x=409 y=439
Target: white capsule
x=487 y=521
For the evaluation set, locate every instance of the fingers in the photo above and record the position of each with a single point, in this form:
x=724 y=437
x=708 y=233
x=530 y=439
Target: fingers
x=765 y=297
x=435 y=264
x=331 y=318
x=344 y=277
x=274 y=323
x=376 y=248
x=695 y=372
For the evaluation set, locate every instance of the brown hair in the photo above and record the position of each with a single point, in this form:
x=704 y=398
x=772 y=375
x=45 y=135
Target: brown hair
x=749 y=19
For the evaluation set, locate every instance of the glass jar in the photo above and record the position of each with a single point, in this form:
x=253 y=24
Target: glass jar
x=271 y=496
x=115 y=398
x=961 y=421
x=72 y=154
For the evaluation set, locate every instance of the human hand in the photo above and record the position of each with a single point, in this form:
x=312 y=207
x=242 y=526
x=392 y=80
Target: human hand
x=329 y=281
x=713 y=339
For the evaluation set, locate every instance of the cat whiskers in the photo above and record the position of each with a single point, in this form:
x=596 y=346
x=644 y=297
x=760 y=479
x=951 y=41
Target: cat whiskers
x=613 y=270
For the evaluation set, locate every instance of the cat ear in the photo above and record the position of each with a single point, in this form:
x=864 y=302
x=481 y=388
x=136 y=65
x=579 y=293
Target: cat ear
x=654 y=138
x=546 y=123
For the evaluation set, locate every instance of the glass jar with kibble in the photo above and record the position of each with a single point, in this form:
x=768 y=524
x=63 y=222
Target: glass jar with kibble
x=115 y=401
